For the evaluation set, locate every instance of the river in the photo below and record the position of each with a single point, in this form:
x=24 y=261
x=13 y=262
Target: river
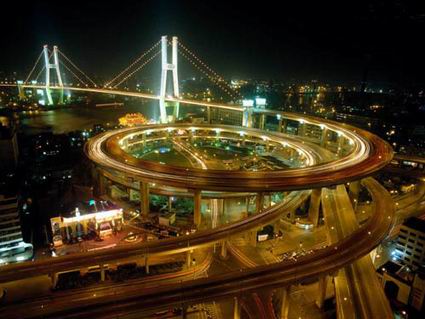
x=68 y=119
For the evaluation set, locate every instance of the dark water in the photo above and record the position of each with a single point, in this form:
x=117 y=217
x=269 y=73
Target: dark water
x=79 y=118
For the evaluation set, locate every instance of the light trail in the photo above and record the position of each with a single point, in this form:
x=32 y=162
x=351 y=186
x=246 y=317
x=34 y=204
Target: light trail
x=368 y=154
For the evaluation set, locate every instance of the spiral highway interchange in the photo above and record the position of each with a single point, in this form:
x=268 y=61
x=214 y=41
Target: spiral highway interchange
x=351 y=154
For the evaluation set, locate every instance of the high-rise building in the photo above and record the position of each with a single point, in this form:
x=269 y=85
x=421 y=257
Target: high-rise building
x=8 y=145
x=12 y=246
x=410 y=249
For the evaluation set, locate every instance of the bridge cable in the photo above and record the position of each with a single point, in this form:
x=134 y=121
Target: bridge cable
x=215 y=75
x=132 y=64
x=77 y=68
x=139 y=68
x=76 y=76
x=44 y=67
x=214 y=80
x=33 y=68
x=39 y=73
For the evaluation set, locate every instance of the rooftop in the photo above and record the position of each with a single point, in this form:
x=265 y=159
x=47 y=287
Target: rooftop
x=415 y=223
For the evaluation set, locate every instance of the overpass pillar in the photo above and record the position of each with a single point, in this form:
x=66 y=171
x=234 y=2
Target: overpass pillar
x=247 y=117
x=253 y=237
x=54 y=276
x=354 y=191
x=144 y=139
x=301 y=128
x=223 y=252
x=283 y=125
x=189 y=258
x=102 y=272
x=284 y=307
x=197 y=199
x=313 y=210
x=170 y=203
x=259 y=202
x=236 y=308
x=341 y=142
x=247 y=204
x=262 y=122
x=209 y=114
x=144 y=199
x=267 y=202
x=217 y=211
x=292 y=216
x=324 y=137
x=323 y=283
x=146 y=264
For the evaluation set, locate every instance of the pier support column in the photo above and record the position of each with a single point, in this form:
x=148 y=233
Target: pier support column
x=236 y=308
x=170 y=203
x=354 y=191
x=253 y=237
x=323 y=283
x=313 y=210
x=223 y=252
x=189 y=258
x=301 y=129
x=283 y=125
x=324 y=137
x=197 y=199
x=144 y=199
x=209 y=114
x=146 y=264
x=102 y=272
x=247 y=117
x=54 y=276
x=284 y=308
x=259 y=202
x=262 y=122
x=340 y=144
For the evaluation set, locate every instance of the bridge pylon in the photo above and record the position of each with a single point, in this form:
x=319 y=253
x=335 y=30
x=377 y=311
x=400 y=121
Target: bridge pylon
x=165 y=67
x=48 y=67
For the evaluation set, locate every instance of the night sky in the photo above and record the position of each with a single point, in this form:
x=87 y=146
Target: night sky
x=296 y=40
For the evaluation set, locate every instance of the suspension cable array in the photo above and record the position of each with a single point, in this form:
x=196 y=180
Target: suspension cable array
x=33 y=68
x=139 y=68
x=73 y=73
x=127 y=72
x=66 y=62
x=76 y=68
x=208 y=72
x=139 y=63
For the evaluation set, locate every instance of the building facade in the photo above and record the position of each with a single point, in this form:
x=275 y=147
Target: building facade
x=410 y=248
x=12 y=246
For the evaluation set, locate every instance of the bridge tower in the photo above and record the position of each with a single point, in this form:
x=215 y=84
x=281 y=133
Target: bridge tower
x=48 y=66
x=165 y=67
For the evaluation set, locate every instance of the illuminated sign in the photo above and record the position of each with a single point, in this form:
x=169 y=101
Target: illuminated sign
x=248 y=103
x=260 y=102
x=111 y=214
x=263 y=237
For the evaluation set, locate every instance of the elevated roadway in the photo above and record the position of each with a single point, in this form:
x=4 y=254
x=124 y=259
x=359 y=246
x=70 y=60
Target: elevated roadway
x=161 y=247
x=369 y=154
x=358 y=291
x=327 y=260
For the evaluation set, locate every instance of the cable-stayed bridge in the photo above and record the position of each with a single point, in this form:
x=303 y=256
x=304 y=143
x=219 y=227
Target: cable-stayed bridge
x=52 y=67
